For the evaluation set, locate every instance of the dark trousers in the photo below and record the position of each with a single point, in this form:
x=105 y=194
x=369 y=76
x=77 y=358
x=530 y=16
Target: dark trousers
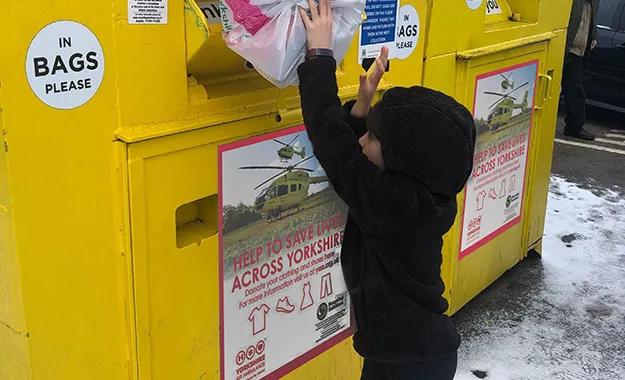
x=574 y=95
x=440 y=369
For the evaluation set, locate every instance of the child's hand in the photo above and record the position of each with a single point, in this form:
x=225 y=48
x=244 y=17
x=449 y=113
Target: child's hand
x=319 y=28
x=369 y=85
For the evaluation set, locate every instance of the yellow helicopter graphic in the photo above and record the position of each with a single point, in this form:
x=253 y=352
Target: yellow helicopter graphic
x=507 y=83
x=288 y=151
x=501 y=110
x=287 y=191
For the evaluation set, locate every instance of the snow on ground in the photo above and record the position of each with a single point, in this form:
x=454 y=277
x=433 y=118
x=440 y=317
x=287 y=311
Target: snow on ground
x=567 y=318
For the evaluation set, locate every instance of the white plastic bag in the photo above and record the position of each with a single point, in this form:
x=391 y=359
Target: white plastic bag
x=271 y=34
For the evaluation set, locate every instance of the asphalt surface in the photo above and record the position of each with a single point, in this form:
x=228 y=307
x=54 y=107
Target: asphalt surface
x=591 y=166
x=593 y=346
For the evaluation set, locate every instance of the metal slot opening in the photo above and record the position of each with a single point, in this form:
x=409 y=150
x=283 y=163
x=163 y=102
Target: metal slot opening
x=196 y=221
x=503 y=14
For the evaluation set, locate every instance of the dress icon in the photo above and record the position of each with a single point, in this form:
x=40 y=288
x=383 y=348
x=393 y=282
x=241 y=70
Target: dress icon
x=307 y=300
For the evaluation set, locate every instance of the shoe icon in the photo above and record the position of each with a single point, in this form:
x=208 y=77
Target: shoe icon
x=284 y=306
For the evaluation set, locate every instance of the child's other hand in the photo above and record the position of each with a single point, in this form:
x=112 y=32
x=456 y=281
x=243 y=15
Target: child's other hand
x=369 y=85
x=369 y=82
x=319 y=27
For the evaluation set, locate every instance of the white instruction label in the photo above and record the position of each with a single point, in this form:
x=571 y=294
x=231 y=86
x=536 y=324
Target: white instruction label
x=474 y=4
x=147 y=11
x=211 y=11
x=492 y=7
x=65 y=65
x=379 y=29
x=408 y=29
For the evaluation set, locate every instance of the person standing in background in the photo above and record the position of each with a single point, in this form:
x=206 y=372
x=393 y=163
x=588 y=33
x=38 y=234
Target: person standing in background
x=581 y=38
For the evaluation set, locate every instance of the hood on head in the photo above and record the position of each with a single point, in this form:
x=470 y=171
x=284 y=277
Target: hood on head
x=426 y=135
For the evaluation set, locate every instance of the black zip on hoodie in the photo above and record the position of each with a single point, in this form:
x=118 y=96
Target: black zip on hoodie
x=391 y=255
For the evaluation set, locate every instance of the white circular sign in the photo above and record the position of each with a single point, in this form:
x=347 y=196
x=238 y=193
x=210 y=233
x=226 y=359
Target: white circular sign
x=65 y=65
x=408 y=30
x=474 y=4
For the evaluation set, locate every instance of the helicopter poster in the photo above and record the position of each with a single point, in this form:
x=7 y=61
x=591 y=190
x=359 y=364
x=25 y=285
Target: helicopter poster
x=283 y=299
x=503 y=110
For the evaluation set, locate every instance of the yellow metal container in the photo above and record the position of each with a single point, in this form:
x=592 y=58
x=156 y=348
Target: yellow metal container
x=110 y=248
x=494 y=40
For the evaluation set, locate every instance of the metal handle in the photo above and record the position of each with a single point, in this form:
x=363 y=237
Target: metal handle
x=547 y=97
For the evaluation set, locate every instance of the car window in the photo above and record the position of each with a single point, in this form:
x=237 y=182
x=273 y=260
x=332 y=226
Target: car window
x=621 y=25
x=606 y=14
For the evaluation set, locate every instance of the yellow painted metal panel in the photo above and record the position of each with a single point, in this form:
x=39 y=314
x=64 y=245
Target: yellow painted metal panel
x=543 y=146
x=14 y=361
x=440 y=74
x=64 y=201
x=150 y=66
x=471 y=28
x=13 y=339
x=177 y=287
x=479 y=269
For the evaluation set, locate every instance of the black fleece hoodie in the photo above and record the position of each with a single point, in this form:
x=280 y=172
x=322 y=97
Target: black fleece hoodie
x=391 y=255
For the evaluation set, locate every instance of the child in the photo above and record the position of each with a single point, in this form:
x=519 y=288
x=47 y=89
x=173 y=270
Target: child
x=399 y=168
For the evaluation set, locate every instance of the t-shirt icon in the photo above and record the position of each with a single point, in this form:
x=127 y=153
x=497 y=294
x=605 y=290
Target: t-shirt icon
x=481 y=196
x=258 y=317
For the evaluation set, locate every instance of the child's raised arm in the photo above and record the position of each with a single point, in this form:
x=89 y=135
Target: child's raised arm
x=373 y=196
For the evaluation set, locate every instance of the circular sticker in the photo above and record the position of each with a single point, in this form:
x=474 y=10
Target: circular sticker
x=65 y=65
x=322 y=311
x=474 y=4
x=408 y=30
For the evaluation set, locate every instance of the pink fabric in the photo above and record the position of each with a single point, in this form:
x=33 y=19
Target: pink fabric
x=250 y=16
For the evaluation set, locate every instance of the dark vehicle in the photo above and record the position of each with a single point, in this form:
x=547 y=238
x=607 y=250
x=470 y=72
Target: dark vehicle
x=604 y=78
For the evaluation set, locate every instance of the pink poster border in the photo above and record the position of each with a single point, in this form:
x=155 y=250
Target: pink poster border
x=488 y=238
x=307 y=356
